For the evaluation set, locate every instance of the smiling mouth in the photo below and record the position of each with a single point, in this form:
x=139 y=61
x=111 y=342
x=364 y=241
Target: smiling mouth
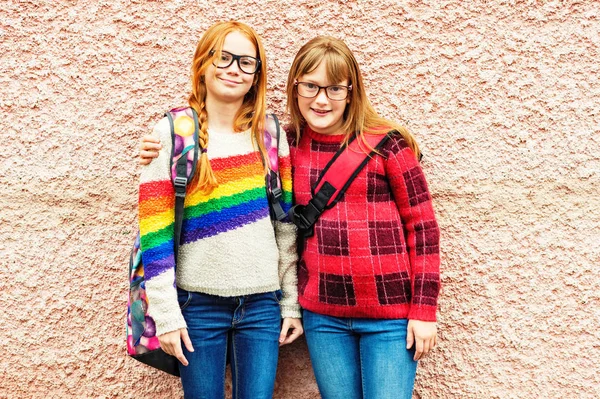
x=320 y=111
x=230 y=81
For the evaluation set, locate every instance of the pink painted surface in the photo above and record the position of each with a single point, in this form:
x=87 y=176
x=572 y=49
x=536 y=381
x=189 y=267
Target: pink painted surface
x=504 y=99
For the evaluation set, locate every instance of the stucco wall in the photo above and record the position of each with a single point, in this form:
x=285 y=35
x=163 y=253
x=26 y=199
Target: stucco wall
x=503 y=97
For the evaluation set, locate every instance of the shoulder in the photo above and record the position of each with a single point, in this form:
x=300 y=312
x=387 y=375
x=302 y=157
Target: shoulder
x=290 y=135
x=397 y=146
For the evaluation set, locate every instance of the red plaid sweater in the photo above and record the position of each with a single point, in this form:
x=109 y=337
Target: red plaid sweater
x=375 y=254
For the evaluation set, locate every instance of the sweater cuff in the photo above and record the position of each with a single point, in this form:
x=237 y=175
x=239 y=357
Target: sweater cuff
x=163 y=305
x=292 y=311
x=169 y=325
x=423 y=313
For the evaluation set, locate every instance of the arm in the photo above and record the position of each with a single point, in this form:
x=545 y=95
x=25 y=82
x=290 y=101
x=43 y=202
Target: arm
x=285 y=234
x=413 y=200
x=156 y=218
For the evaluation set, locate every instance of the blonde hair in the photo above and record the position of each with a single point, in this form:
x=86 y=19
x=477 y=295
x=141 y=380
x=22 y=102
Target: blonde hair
x=359 y=115
x=252 y=112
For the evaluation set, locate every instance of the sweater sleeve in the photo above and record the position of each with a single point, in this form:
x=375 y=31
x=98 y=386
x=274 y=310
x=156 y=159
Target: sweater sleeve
x=421 y=231
x=285 y=234
x=156 y=219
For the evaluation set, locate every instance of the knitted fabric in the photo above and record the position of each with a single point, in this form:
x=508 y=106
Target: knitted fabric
x=228 y=244
x=375 y=254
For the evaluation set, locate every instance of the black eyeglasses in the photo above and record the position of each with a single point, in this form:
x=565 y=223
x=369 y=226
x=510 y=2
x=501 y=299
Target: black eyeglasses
x=333 y=92
x=247 y=64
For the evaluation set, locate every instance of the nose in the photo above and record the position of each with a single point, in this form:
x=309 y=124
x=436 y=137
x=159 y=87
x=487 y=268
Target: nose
x=234 y=67
x=321 y=97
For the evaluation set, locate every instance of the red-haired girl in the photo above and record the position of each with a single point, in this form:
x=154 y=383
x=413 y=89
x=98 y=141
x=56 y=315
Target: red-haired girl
x=235 y=275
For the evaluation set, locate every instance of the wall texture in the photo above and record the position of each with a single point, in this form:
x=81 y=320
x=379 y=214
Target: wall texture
x=503 y=97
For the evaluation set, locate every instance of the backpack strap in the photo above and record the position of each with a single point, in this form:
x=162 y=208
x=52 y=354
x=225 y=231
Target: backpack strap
x=272 y=179
x=334 y=180
x=184 y=157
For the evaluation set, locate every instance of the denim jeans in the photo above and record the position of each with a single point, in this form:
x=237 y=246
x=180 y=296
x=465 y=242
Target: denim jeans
x=249 y=325
x=355 y=358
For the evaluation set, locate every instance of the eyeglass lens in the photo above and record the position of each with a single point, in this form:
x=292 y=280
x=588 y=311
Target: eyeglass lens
x=334 y=92
x=246 y=63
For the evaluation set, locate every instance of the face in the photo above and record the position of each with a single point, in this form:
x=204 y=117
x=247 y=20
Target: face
x=230 y=84
x=322 y=115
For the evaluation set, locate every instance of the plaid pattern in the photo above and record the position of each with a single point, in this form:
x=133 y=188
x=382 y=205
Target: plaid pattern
x=393 y=288
x=378 y=189
x=332 y=237
x=384 y=238
x=427 y=286
x=375 y=254
x=416 y=186
x=336 y=289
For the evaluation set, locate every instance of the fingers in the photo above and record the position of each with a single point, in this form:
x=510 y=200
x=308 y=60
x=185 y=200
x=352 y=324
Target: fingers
x=293 y=336
x=187 y=342
x=427 y=346
x=149 y=147
x=284 y=331
x=419 y=344
x=410 y=338
x=170 y=343
x=148 y=138
x=146 y=157
x=178 y=353
x=290 y=326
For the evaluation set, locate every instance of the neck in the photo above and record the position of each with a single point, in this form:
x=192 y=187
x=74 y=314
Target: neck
x=221 y=115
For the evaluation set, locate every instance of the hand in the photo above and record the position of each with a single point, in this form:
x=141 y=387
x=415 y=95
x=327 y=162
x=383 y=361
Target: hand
x=149 y=146
x=423 y=334
x=290 y=326
x=170 y=343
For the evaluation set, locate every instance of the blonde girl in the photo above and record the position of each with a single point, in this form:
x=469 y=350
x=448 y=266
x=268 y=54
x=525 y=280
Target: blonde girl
x=368 y=278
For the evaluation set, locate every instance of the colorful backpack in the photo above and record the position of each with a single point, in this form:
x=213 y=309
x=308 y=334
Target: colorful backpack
x=142 y=342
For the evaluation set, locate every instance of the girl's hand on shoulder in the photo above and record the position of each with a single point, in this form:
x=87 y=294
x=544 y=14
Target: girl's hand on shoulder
x=290 y=330
x=170 y=343
x=422 y=334
x=149 y=147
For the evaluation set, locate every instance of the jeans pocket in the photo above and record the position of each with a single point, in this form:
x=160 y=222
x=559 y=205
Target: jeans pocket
x=184 y=298
x=278 y=295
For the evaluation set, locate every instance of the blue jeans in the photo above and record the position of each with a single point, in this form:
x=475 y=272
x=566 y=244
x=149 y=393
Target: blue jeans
x=360 y=358
x=249 y=325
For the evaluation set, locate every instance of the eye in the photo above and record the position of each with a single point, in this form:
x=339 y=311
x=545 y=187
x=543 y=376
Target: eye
x=247 y=62
x=310 y=86
x=225 y=57
x=336 y=89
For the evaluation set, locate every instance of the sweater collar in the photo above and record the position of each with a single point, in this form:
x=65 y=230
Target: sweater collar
x=323 y=138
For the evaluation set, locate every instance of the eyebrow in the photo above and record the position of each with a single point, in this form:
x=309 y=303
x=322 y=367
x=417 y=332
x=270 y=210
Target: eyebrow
x=313 y=82
x=241 y=55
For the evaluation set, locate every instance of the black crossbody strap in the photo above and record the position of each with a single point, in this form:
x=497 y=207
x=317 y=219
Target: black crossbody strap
x=274 y=189
x=334 y=180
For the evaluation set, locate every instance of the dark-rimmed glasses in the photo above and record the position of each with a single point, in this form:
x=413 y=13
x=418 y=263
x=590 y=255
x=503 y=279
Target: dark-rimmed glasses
x=247 y=64
x=333 y=92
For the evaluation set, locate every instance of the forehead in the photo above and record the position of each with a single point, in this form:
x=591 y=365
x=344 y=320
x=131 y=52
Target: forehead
x=239 y=44
x=323 y=76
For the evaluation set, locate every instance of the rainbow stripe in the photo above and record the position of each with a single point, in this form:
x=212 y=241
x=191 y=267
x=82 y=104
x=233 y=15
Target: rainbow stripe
x=239 y=200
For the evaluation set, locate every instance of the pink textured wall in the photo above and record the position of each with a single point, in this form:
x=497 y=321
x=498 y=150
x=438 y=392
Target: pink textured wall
x=502 y=95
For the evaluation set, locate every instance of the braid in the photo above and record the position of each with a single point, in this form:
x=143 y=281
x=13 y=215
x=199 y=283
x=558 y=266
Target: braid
x=204 y=176
x=207 y=181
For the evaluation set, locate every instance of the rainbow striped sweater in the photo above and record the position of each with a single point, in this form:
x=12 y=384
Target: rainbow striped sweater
x=228 y=244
